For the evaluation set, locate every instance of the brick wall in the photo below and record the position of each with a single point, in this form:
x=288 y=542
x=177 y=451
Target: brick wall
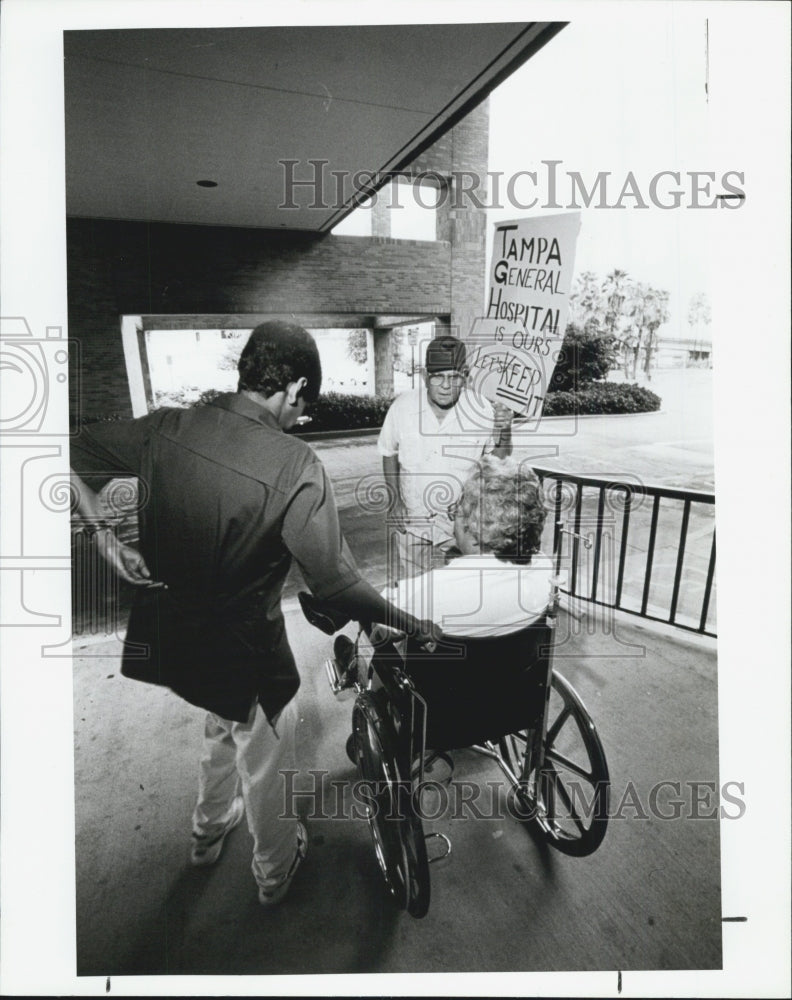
x=463 y=150
x=117 y=268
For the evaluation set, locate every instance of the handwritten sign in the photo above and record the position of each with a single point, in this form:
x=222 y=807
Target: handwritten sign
x=514 y=347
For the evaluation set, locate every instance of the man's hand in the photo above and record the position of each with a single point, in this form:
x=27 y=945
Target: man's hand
x=128 y=563
x=503 y=418
x=397 y=512
x=427 y=634
x=396 y=509
x=502 y=426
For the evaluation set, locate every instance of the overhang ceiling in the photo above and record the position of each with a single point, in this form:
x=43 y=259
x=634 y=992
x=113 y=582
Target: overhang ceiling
x=149 y=113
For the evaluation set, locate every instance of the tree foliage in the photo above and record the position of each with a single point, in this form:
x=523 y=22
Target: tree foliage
x=699 y=312
x=586 y=356
x=357 y=346
x=629 y=311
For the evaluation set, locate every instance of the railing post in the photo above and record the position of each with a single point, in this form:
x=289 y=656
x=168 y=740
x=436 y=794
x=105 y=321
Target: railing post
x=708 y=587
x=680 y=558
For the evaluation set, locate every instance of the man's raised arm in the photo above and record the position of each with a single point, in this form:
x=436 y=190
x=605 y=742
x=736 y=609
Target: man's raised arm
x=502 y=431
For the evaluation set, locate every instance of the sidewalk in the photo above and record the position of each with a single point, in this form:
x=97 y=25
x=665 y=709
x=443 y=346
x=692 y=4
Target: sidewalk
x=648 y=899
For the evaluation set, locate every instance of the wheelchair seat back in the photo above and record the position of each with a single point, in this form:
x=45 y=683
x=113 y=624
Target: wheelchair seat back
x=479 y=689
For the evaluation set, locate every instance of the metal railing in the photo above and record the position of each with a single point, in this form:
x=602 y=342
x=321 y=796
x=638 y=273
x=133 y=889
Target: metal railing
x=637 y=572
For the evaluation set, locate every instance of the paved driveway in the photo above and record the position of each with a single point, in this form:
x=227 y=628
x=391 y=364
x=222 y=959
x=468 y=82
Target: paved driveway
x=673 y=447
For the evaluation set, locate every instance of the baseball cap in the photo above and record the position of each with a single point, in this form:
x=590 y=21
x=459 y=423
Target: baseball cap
x=445 y=354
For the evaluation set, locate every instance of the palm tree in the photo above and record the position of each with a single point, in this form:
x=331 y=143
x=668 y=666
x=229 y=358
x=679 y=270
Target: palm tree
x=699 y=310
x=586 y=304
x=630 y=335
x=699 y=319
x=614 y=289
x=657 y=313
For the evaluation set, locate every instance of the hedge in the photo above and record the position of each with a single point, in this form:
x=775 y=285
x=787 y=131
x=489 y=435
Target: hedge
x=602 y=397
x=335 y=411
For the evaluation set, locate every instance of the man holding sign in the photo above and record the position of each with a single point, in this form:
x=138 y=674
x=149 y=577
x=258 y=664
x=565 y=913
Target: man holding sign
x=429 y=441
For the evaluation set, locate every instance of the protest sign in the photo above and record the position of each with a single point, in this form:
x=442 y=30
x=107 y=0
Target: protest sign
x=514 y=347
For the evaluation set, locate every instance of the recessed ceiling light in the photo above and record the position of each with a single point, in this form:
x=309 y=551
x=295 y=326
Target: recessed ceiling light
x=207 y=184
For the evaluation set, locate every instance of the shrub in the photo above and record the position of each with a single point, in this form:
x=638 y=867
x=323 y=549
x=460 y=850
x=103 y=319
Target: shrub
x=602 y=397
x=585 y=357
x=207 y=396
x=182 y=397
x=337 y=411
x=333 y=411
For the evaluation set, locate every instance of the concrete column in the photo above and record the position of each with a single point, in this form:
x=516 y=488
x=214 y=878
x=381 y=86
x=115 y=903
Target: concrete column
x=383 y=362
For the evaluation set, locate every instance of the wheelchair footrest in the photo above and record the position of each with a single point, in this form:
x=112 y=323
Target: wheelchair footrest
x=341 y=684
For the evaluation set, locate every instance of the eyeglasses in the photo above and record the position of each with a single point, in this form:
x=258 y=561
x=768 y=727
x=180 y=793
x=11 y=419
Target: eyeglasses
x=453 y=509
x=454 y=378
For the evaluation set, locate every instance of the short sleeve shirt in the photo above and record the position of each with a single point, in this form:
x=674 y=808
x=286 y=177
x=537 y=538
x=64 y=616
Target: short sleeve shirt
x=478 y=595
x=435 y=455
x=226 y=500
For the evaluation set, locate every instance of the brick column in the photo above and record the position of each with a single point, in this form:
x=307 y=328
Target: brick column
x=380 y=213
x=467 y=221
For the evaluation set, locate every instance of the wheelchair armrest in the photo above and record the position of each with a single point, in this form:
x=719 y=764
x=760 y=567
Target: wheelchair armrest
x=327 y=619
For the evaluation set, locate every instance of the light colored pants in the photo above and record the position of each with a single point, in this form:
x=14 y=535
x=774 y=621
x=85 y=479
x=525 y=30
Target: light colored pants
x=250 y=755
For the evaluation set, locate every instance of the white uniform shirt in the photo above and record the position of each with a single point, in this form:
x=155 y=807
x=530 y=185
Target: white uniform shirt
x=435 y=456
x=477 y=595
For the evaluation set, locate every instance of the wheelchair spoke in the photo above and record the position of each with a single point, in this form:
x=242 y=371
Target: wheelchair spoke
x=554 y=730
x=396 y=831
x=564 y=780
x=570 y=765
x=560 y=788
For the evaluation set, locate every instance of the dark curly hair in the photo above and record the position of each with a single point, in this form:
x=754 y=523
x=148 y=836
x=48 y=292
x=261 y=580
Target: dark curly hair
x=502 y=504
x=276 y=354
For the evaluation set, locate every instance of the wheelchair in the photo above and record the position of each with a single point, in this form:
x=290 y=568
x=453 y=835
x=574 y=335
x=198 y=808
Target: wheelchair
x=499 y=697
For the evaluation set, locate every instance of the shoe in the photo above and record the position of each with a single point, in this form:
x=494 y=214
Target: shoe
x=206 y=851
x=343 y=652
x=271 y=897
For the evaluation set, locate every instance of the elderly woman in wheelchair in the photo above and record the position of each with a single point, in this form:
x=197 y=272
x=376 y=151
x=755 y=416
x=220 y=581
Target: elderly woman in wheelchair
x=488 y=685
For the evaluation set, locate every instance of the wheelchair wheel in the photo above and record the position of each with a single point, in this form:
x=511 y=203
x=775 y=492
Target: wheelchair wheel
x=568 y=796
x=395 y=829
